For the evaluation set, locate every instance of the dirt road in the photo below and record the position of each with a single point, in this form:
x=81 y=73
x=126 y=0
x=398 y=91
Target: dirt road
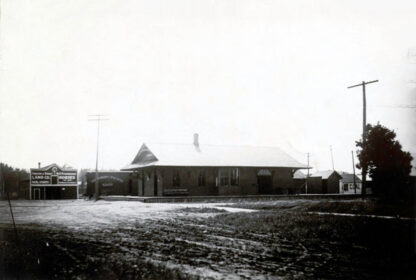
x=113 y=240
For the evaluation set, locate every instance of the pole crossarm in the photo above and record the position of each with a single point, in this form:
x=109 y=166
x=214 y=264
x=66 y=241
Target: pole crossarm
x=363 y=83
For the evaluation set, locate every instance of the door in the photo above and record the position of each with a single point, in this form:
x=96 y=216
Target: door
x=36 y=194
x=264 y=181
x=324 y=186
x=265 y=184
x=142 y=185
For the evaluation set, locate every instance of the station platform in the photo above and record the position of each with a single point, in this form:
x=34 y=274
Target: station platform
x=213 y=199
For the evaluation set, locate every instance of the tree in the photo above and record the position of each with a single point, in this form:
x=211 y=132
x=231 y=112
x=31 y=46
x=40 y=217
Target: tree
x=385 y=161
x=10 y=179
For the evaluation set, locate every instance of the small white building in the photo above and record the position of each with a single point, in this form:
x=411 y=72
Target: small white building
x=346 y=184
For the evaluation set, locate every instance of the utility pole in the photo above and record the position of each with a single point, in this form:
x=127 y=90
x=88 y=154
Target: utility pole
x=3 y=182
x=353 y=170
x=332 y=158
x=2 y=192
x=364 y=169
x=97 y=118
x=307 y=176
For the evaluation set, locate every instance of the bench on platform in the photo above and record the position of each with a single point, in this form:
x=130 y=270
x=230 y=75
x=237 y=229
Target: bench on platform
x=175 y=192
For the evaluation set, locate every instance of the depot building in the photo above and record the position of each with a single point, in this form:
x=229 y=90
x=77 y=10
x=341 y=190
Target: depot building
x=163 y=169
x=53 y=182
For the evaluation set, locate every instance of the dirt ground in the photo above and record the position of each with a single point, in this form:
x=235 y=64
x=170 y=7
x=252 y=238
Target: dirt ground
x=132 y=240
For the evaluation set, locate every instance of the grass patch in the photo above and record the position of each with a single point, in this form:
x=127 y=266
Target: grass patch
x=368 y=207
x=357 y=206
x=389 y=237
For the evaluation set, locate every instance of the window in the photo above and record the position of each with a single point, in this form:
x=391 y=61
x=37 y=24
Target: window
x=201 y=178
x=345 y=187
x=353 y=187
x=175 y=179
x=224 y=177
x=229 y=176
x=54 y=180
x=234 y=177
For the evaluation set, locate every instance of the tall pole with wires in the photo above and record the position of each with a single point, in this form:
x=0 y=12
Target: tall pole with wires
x=6 y=191
x=353 y=171
x=332 y=159
x=307 y=176
x=97 y=118
x=364 y=168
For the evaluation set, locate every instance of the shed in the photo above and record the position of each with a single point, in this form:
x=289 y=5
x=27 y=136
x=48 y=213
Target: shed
x=329 y=182
x=346 y=184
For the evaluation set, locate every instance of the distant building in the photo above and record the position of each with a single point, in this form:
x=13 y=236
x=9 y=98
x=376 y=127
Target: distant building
x=194 y=169
x=299 y=179
x=346 y=184
x=53 y=182
x=112 y=183
x=323 y=182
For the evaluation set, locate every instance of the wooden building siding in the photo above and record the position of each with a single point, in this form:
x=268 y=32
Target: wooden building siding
x=299 y=185
x=333 y=183
x=281 y=181
x=314 y=185
x=42 y=193
x=142 y=182
x=317 y=185
x=113 y=183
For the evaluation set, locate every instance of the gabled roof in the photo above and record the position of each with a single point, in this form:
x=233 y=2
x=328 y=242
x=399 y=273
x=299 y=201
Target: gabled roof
x=158 y=154
x=324 y=174
x=299 y=175
x=50 y=166
x=349 y=178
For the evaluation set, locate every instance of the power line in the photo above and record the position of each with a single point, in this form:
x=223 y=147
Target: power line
x=396 y=106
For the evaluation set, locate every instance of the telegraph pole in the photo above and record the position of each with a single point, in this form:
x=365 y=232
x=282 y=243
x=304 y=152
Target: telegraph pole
x=307 y=176
x=332 y=159
x=97 y=118
x=353 y=170
x=364 y=169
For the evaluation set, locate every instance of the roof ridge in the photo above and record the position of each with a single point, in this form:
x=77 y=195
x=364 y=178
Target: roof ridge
x=215 y=145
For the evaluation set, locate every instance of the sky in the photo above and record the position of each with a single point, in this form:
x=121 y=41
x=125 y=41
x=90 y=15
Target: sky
x=258 y=73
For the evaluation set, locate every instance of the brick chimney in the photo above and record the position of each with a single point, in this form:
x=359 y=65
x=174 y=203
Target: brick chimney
x=196 y=140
